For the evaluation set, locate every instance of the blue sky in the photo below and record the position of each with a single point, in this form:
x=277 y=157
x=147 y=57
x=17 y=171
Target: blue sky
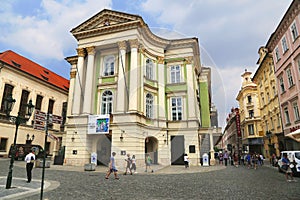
x=230 y=32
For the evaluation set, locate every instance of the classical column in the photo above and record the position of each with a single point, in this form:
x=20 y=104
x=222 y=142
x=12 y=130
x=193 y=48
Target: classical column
x=77 y=103
x=73 y=62
x=190 y=89
x=122 y=91
x=161 y=88
x=134 y=83
x=87 y=103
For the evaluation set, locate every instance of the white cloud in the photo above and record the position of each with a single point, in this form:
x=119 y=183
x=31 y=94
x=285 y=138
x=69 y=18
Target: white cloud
x=47 y=35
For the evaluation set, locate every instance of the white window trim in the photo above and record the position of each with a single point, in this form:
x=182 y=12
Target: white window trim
x=294 y=37
x=284 y=44
x=296 y=111
x=105 y=59
x=290 y=77
x=149 y=106
x=177 y=108
x=277 y=54
x=107 y=103
x=175 y=71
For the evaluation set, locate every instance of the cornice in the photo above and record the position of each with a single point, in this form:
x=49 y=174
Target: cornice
x=288 y=18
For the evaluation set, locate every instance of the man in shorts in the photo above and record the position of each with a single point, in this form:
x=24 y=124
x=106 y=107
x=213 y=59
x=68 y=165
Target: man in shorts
x=112 y=167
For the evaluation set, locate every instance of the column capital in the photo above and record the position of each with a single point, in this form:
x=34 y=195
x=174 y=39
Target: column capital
x=160 y=60
x=90 y=50
x=134 y=43
x=188 y=60
x=73 y=74
x=80 y=52
x=122 y=45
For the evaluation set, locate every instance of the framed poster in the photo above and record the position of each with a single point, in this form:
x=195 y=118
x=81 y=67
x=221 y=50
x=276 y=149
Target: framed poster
x=98 y=124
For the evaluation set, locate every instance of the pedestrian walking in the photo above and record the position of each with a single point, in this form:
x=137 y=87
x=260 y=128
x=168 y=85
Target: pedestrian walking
x=148 y=163
x=221 y=158
x=248 y=160
x=186 y=160
x=225 y=156
x=112 y=167
x=286 y=168
x=29 y=159
x=133 y=164
x=128 y=165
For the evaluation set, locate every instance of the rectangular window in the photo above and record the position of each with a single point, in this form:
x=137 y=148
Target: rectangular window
x=149 y=69
x=38 y=102
x=284 y=44
x=249 y=99
x=294 y=31
x=251 y=129
x=296 y=111
x=176 y=105
x=8 y=89
x=287 y=116
x=3 y=144
x=50 y=106
x=175 y=74
x=277 y=54
x=109 y=65
x=272 y=123
x=281 y=84
x=290 y=77
x=23 y=103
x=251 y=113
x=192 y=149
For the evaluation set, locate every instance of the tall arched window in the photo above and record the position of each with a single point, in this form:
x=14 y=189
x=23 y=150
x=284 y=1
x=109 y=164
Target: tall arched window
x=149 y=105
x=149 y=69
x=109 y=65
x=107 y=99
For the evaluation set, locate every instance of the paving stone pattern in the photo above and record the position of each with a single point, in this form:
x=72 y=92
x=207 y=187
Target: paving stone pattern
x=175 y=182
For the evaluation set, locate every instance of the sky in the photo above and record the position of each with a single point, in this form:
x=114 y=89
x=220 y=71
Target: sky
x=230 y=33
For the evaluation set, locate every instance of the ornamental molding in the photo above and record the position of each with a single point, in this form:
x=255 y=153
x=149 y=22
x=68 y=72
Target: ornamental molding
x=122 y=45
x=81 y=52
x=90 y=50
x=73 y=74
x=134 y=43
x=284 y=25
x=160 y=60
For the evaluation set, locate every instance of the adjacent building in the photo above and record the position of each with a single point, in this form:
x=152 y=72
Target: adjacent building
x=284 y=46
x=134 y=92
x=250 y=116
x=265 y=80
x=24 y=80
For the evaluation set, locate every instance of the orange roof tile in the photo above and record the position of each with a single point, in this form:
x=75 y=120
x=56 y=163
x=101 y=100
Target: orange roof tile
x=19 y=62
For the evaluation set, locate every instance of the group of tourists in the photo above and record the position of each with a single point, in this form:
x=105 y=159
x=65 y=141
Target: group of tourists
x=130 y=165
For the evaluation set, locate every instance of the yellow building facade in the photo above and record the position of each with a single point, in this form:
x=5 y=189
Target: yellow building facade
x=252 y=134
x=270 y=123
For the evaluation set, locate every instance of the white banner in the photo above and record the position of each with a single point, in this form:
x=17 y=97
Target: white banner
x=98 y=124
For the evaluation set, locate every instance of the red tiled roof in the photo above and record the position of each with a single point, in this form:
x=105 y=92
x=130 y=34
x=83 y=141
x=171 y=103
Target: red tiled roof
x=19 y=62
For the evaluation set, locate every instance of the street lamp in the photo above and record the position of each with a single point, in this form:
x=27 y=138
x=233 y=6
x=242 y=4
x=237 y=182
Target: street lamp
x=8 y=105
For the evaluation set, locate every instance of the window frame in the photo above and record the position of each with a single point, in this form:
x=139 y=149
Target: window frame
x=296 y=111
x=277 y=54
x=149 y=105
x=8 y=89
x=294 y=31
x=284 y=44
x=175 y=74
x=281 y=83
x=106 y=102
x=176 y=109
x=251 y=129
x=286 y=115
x=149 y=69
x=289 y=77
x=108 y=70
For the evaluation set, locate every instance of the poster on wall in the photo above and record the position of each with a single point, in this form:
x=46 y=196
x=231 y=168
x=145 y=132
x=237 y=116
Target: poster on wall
x=98 y=124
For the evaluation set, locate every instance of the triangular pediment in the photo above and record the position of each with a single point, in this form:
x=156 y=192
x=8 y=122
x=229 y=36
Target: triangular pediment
x=106 y=19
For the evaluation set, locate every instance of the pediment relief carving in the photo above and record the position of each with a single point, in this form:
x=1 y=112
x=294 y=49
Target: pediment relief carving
x=106 y=18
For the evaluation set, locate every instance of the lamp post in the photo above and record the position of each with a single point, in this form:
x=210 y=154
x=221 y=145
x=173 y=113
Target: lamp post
x=8 y=105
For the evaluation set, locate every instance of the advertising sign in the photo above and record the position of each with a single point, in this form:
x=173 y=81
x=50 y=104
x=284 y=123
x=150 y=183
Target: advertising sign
x=98 y=124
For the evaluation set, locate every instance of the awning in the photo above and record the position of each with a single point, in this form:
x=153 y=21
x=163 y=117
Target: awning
x=294 y=135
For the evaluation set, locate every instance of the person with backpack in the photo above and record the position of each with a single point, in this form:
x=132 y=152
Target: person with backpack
x=29 y=159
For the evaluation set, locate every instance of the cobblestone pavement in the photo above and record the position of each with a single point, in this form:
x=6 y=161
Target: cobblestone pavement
x=175 y=182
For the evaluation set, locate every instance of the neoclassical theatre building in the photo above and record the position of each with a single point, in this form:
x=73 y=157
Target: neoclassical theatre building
x=133 y=92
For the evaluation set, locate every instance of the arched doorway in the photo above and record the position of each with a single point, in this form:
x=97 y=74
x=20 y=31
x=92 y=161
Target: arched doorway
x=103 y=149
x=151 y=147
